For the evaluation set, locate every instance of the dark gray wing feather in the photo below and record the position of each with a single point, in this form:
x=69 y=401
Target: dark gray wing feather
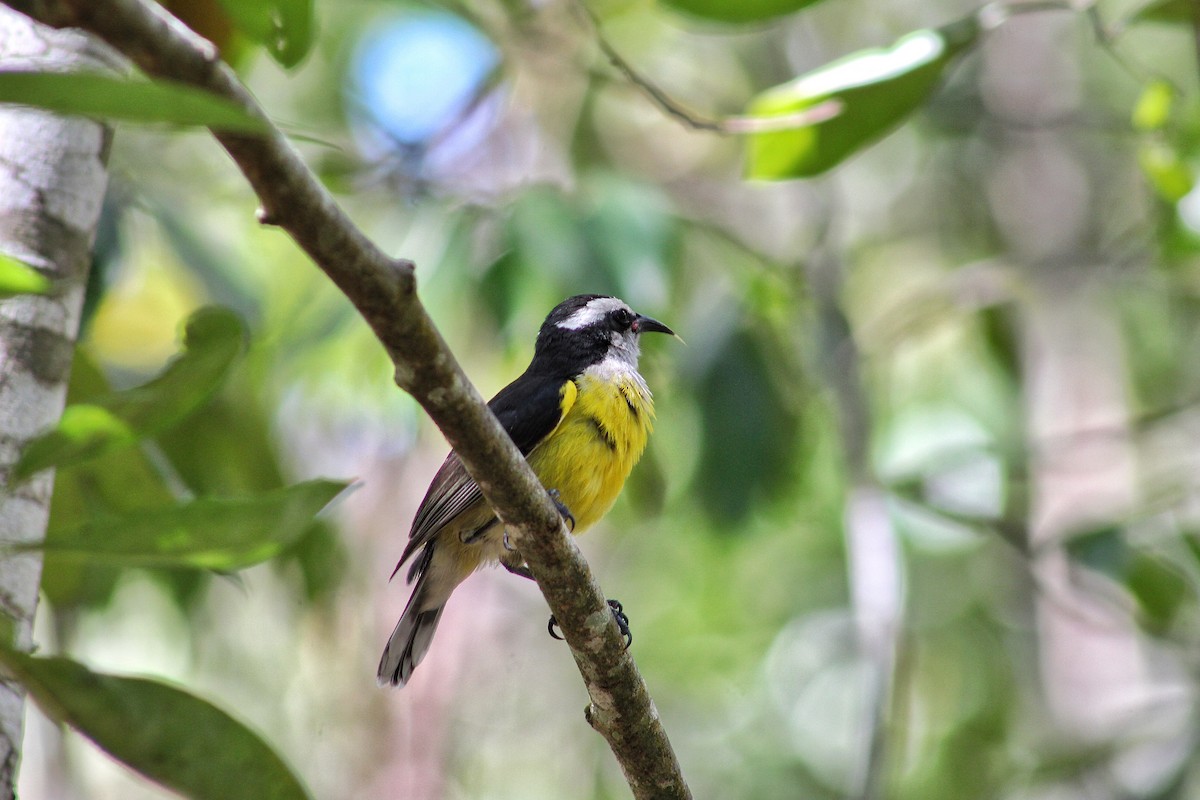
x=528 y=410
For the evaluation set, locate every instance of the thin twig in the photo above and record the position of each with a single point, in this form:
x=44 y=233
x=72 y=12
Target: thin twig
x=725 y=126
x=383 y=290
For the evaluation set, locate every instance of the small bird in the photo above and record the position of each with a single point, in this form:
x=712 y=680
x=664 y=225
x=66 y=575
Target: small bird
x=580 y=414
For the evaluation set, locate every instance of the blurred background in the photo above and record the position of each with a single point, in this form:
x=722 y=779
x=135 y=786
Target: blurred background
x=919 y=516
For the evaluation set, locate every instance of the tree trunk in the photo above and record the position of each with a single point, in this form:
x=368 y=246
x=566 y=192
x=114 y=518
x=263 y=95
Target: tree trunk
x=52 y=182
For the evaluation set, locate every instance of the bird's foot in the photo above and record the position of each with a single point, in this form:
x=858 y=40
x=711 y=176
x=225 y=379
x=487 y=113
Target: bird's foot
x=521 y=570
x=563 y=511
x=622 y=622
x=618 y=613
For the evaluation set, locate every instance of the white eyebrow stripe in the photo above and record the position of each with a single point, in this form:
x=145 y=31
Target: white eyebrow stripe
x=590 y=314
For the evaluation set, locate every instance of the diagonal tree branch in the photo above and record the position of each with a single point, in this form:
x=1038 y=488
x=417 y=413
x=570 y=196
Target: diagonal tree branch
x=383 y=290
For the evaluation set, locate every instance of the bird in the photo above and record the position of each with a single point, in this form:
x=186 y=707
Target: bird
x=580 y=413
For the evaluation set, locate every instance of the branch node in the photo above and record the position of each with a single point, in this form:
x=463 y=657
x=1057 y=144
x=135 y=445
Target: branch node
x=404 y=376
x=208 y=51
x=590 y=713
x=265 y=217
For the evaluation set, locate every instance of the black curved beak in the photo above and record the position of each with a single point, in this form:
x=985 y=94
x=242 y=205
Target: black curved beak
x=643 y=324
x=646 y=324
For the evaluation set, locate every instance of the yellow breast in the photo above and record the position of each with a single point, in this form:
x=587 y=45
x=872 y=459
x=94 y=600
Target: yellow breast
x=601 y=436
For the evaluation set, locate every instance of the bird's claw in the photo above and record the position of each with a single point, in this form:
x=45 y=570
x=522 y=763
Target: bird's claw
x=563 y=511
x=618 y=613
x=622 y=622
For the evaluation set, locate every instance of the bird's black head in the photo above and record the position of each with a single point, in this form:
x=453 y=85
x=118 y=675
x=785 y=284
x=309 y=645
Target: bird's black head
x=585 y=329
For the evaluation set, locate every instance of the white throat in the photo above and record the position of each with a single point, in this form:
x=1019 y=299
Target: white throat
x=624 y=349
x=617 y=368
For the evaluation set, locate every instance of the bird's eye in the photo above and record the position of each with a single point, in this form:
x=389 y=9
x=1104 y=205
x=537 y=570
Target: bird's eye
x=621 y=319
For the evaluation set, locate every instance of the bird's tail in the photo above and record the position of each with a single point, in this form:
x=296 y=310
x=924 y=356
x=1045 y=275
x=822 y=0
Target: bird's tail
x=409 y=641
x=413 y=634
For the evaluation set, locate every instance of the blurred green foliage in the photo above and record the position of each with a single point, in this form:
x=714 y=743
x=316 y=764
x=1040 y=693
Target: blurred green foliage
x=110 y=421
x=285 y=28
x=748 y=11
x=871 y=92
x=116 y=98
x=17 y=277
x=987 y=302
x=173 y=737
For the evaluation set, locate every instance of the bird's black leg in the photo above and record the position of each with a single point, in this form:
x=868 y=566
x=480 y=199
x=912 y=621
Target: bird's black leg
x=563 y=511
x=618 y=612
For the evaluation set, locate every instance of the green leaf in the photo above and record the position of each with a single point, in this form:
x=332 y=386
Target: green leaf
x=874 y=89
x=1169 y=11
x=285 y=27
x=84 y=431
x=209 y=533
x=738 y=10
x=1157 y=585
x=750 y=430
x=17 y=277
x=93 y=95
x=320 y=559
x=168 y=735
x=1153 y=108
x=224 y=448
x=1103 y=550
x=213 y=339
x=1168 y=173
x=296 y=32
x=254 y=18
x=116 y=481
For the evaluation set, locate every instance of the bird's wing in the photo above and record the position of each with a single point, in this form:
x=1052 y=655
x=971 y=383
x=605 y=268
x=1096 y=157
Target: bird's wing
x=529 y=409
